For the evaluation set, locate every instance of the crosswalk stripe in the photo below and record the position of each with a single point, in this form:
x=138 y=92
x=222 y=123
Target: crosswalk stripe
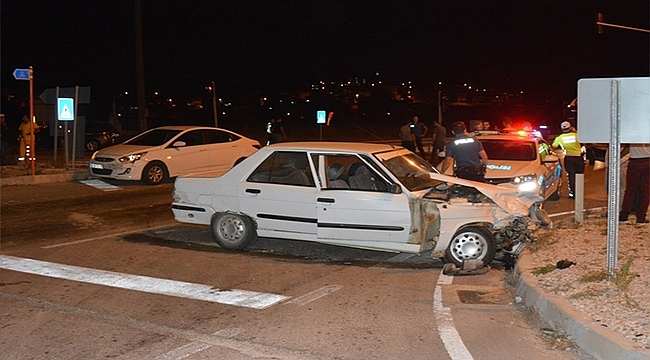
x=244 y=298
x=96 y=183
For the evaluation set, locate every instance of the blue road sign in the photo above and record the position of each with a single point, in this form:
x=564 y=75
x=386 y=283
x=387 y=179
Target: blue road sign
x=21 y=74
x=321 y=116
x=65 y=109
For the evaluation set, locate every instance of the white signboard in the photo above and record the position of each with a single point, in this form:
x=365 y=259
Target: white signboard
x=595 y=110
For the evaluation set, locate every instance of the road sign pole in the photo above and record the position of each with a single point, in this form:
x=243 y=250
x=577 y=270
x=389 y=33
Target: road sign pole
x=32 y=142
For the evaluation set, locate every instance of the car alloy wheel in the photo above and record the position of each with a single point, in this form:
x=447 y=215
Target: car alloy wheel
x=471 y=243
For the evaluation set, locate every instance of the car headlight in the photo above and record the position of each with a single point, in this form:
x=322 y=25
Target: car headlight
x=526 y=182
x=132 y=157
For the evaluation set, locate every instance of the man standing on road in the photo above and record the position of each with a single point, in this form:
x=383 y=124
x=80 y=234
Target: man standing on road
x=574 y=163
x=419 y=130
x=407 y=137
x=638 y=179
x=25 y=133
x=468 y=153
x=438 y=141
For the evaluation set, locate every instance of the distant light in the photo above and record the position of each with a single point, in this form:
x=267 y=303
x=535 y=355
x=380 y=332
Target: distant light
x=377 y=73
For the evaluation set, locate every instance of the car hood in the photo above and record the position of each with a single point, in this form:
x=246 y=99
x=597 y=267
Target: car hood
x=499 y=169
x=124 y=149
x=511 y=200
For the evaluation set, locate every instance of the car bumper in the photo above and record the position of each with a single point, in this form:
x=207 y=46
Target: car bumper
x=192 y=214
x=115 y=171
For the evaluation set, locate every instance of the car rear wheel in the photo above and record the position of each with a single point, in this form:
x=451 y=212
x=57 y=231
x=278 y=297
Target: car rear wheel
x=471 y=243
x=154 y=173
x=233 y=231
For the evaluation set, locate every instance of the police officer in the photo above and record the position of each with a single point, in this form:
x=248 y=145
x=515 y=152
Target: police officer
x=468 y=153
x=574 y=163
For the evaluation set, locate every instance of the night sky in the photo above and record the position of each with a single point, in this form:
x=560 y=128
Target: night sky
x=544 y=47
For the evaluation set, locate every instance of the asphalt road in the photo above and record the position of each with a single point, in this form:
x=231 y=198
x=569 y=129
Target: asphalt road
x=117 y=277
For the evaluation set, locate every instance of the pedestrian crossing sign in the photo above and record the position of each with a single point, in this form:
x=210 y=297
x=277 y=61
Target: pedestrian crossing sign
x=65 y=109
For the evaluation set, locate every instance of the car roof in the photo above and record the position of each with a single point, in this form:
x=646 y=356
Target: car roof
x=510 y=137
x=185 y=127
x=334 y=146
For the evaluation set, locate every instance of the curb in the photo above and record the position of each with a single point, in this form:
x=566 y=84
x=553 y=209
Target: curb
x=597 y=341
x=45 y=179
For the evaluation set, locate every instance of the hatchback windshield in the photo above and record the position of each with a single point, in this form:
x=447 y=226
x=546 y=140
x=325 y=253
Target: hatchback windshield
x=155 y=137
x=411 y=170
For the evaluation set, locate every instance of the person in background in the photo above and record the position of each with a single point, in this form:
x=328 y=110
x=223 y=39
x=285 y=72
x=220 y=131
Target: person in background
x=637 y=179
x=418 y=130
x=406 y=137
x=574 y=163
x=486 y=125
x=438 y=142
x=468 y=153
x=277 y=131
x=25 y=137
x=269 y=131
x=4 y=132
x=507 y=125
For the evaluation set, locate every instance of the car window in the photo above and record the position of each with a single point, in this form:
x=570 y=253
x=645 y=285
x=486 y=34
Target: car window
x=194 y=137
x=285 y=168
x=155 y=137
x=411 y=170
x=218 y=136
x=347 y=172
x=510 y=150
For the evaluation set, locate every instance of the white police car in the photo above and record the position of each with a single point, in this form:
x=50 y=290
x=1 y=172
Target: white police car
x=522 y=160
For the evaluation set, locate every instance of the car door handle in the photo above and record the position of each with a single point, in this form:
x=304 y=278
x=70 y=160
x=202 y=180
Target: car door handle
x=326 y=200
x=253 y=191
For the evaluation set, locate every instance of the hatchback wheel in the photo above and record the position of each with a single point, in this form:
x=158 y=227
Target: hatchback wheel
x=154 y=173
x=471 y=243
x=233 y=231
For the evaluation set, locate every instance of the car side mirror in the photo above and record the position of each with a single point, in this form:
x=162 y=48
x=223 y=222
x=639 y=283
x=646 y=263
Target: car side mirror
x=395 y=189
x=550 y=159
x=179 y=144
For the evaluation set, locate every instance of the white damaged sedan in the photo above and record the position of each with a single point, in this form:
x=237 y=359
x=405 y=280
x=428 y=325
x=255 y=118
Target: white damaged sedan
x=370 y=196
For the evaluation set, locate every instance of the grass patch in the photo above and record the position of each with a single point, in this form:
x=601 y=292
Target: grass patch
x=543 y=269
x=584 y=294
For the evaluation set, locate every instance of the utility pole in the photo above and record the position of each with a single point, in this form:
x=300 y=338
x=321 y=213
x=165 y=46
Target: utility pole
x=214 y=104
x=139 y=65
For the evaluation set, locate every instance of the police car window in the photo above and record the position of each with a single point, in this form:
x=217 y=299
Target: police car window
x=510 y=150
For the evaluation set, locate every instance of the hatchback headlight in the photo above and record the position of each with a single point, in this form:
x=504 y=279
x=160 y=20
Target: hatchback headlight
x=132 y=157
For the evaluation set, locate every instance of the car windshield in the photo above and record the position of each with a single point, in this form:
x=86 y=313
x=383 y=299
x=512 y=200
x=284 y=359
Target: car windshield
x=518 y=150
x=411 y=170
x=155 y=137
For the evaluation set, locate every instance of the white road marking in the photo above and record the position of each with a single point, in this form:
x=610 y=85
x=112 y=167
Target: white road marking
x=96 y=183
x=105 y=236
x=572 y=211
x=247 y=348
x=314 y=295
x=194 y=347
x=244 y=298
x=448 y=333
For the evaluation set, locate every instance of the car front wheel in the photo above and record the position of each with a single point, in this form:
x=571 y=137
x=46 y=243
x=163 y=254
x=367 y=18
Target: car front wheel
x=471 y=243
x=154 y=173
x=233 y=231
x=92 y=145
